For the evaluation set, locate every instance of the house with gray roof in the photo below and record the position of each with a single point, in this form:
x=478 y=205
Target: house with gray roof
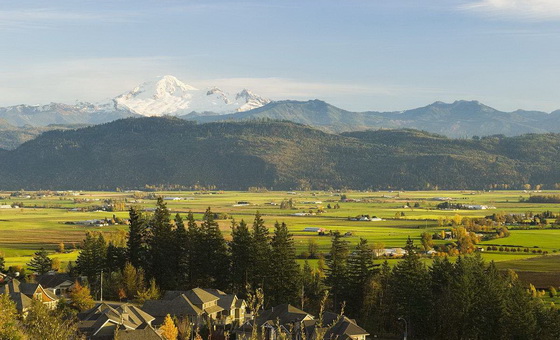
x=198 y=305
x=23 y=293
x=104 y=319
x=297 y=324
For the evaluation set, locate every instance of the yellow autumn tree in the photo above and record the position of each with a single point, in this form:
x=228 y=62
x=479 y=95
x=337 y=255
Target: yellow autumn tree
x=81 y=297
x=168 y=329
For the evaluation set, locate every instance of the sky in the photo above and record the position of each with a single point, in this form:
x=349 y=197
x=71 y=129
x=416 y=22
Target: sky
x=356 y=54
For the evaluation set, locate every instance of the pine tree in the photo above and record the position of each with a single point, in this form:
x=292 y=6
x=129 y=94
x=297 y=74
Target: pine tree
x=195 y=251
x=360 y=271
x=260 y=255
x=182 y=244
x=162 y=247
x=215 y=258
x=40 y=262
x=92 y=259
x=284 y=283
x=411 y=292
x=337 y=269
x=241 y=252
x=137 y=238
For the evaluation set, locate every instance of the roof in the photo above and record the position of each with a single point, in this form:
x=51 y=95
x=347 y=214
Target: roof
x=50 y=280
x=200 y=296
x=129 y=316
x=180 y=305
x=147 y=333
x=21 y=300
x=284 y=314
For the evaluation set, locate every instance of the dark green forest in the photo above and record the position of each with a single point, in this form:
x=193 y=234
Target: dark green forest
x=138 y=152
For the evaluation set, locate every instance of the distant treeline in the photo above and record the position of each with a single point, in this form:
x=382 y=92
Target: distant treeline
x=542 y=199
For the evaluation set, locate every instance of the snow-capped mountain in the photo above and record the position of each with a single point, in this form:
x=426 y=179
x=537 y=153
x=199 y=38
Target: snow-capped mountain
x=169 y=96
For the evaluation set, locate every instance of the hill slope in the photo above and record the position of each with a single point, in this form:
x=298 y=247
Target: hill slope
x=134 y=152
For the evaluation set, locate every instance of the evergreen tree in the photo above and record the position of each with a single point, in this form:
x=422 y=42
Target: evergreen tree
x=40 y=262
x=260 y=255
x=181 y=256
x=215 y=257
x=116 y=258
x=410 y=286
x=241 y=251
x=337 y=269
x=92 y=259
x=312 y=288
x=284 y=284
x=162 y=247
x=196 y=252
x=360 y=271
x=137 y=239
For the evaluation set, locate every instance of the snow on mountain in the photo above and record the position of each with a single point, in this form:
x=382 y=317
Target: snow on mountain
x=169 y=96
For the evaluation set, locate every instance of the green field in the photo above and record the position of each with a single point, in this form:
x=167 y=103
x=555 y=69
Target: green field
x=41 y=220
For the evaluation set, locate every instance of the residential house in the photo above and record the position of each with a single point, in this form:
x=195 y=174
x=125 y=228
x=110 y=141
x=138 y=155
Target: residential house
x=24 y=293
x=283 y=318
x=198 y=305
x=104 y=319
x=296 y=324
x=59 y=284
x=334 y=327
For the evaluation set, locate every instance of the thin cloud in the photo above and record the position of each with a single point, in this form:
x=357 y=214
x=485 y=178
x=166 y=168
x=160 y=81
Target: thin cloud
x=540 y=10
x=48 y=17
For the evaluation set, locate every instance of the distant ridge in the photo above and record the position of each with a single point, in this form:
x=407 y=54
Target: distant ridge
x=169 y=96
x=135 y=152
x=458 y=119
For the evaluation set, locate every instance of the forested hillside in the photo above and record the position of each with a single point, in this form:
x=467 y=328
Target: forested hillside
x=135 y=152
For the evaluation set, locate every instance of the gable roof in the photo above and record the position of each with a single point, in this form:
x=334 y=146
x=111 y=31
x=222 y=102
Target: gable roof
x=21 y=300
x=147 y=333
x=52 y=280
x=126 y=315
x=200 y=296
x=178 y=306
x=284 y=314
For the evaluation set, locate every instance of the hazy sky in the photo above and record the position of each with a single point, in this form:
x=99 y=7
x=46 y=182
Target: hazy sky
x=356 y=54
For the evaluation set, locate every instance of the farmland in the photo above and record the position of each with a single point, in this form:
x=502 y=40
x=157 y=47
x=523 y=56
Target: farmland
x=41 y=218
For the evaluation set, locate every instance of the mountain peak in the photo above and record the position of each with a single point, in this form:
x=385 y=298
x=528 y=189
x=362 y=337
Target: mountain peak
x=168 y=95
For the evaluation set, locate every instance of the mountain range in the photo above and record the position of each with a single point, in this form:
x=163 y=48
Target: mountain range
x=174 y=153
x=169 y=96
